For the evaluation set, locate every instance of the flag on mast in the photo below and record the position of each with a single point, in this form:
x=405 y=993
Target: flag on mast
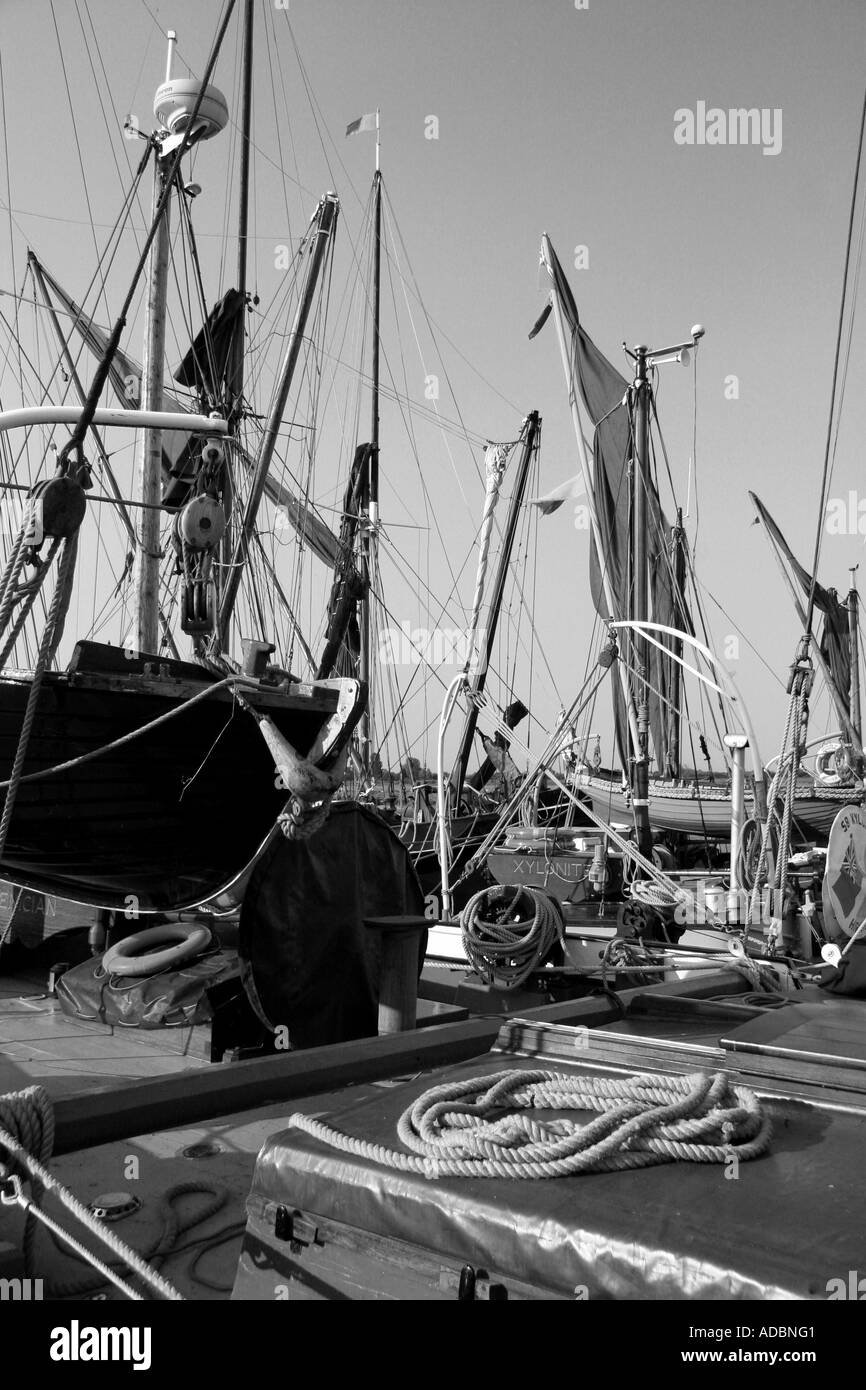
x=367 y=122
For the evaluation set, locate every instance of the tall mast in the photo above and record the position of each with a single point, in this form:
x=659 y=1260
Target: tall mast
x=325 y=220
x=235 y=373
x=854 y=654
x=679 y=571
x=640 y=612
x=149 y=464
x=371 y=489
x=530 y=443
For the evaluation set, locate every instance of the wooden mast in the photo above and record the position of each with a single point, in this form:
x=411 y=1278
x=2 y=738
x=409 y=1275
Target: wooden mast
x=149 y=462
x=370 y=496
x=854 y=655
x=235 y=372
x=325 y=220
x=530 y=444
x=679 y=571
x=640 y=610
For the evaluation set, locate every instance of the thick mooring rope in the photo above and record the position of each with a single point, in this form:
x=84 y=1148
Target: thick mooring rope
x=27 y=1136
x=458 y=1129
x=508 y=932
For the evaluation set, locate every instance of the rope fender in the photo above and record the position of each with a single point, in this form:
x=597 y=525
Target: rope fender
x=452 y=1130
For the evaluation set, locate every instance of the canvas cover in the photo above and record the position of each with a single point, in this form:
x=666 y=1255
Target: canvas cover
x=169 y=999
x=309 y=963
x=682 y=1231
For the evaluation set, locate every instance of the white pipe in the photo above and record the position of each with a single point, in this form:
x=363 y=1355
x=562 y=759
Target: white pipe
x=737 y=744
x=448 y=707
x=172 y=40
x=125 y=419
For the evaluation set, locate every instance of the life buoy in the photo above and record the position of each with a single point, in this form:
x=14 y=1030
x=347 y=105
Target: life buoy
x=126 y=957
x=833 y=765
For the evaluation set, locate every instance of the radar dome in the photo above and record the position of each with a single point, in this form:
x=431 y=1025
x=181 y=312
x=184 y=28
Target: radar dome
x=175 y=102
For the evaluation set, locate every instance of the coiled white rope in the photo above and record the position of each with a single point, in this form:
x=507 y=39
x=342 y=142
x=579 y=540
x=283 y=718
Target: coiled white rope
x=508 y=932
x=458 y=1129
x=656 y=894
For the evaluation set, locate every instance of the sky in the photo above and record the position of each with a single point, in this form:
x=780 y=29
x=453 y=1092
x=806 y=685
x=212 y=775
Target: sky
x=547 y=116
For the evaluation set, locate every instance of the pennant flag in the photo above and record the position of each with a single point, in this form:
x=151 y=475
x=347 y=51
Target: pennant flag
x=540 y=321
x=551 y=501
x=367 y=122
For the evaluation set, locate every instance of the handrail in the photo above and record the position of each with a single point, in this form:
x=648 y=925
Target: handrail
x=126 y=419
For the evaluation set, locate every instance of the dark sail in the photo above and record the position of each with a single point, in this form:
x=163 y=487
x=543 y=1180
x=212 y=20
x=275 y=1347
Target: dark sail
x=833 y=641
x=204 y=367
x=606 y=396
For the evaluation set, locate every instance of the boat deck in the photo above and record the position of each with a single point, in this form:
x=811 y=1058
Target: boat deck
x=118 y=1099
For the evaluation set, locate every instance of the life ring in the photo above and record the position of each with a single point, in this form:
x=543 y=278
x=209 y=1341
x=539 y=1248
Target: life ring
x=126 y=957
x=833 y=765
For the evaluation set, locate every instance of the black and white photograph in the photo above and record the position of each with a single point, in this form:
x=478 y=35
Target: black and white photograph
x=432 y=764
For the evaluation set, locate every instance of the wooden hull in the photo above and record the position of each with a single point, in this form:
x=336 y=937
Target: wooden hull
x=707 y=813
x=162 y=823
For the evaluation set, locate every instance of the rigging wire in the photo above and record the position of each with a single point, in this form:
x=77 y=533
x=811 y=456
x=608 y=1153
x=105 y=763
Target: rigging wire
x=829 y=458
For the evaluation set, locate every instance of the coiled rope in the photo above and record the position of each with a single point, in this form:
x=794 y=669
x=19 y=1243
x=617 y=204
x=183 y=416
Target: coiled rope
x=508 y=932
x=657 y=895
x=455 y=1130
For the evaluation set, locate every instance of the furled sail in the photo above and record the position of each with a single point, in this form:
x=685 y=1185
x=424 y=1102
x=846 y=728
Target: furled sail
x=177 y=455
x=204 y=366
x=606 y=397
x=343 y=636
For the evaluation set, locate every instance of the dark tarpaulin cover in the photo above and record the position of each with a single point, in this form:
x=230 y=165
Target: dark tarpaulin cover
x=604 y=392
x=169 y=999
x=309 y=963
x=834 y=633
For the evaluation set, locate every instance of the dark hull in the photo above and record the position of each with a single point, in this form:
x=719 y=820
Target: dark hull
x=168 y=820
